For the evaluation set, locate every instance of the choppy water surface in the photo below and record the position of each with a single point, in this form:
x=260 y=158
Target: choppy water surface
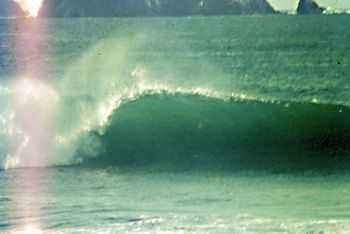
x=110 y=200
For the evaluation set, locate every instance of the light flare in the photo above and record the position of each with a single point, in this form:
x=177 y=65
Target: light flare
x=29 y=90
x=31 y=102
x=31 y=6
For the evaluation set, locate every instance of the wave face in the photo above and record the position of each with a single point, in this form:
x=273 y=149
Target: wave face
x=192 y=131
x=178 y=92
x=198 y=129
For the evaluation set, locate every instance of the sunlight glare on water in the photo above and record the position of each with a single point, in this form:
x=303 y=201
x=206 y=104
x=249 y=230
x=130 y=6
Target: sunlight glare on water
x=30 y=231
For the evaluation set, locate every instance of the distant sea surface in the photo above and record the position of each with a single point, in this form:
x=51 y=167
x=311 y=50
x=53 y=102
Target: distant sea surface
x=235 y=124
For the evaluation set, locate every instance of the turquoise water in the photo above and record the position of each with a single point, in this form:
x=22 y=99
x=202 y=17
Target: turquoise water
x=175 y=125
x=117 y=201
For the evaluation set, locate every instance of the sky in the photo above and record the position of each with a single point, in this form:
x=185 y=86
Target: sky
x=292 y=4
x=32 y=6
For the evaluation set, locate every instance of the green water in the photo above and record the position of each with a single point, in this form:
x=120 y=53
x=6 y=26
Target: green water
x=273 y=57
x=112 y=200
x=178 y=125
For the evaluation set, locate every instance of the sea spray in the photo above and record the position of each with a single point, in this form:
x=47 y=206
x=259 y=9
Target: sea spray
x=27 y=122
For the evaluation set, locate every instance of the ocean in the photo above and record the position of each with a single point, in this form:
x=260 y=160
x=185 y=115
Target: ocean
x=232 y=124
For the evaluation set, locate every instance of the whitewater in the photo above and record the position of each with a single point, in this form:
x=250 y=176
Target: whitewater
x=175 y=125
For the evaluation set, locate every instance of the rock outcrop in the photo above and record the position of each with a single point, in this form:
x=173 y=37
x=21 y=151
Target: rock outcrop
x=132 y=8
x=309 y=7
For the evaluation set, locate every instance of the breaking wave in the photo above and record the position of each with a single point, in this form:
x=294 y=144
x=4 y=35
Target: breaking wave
x=190 y=128
x=108 y=110
x=188 y=131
